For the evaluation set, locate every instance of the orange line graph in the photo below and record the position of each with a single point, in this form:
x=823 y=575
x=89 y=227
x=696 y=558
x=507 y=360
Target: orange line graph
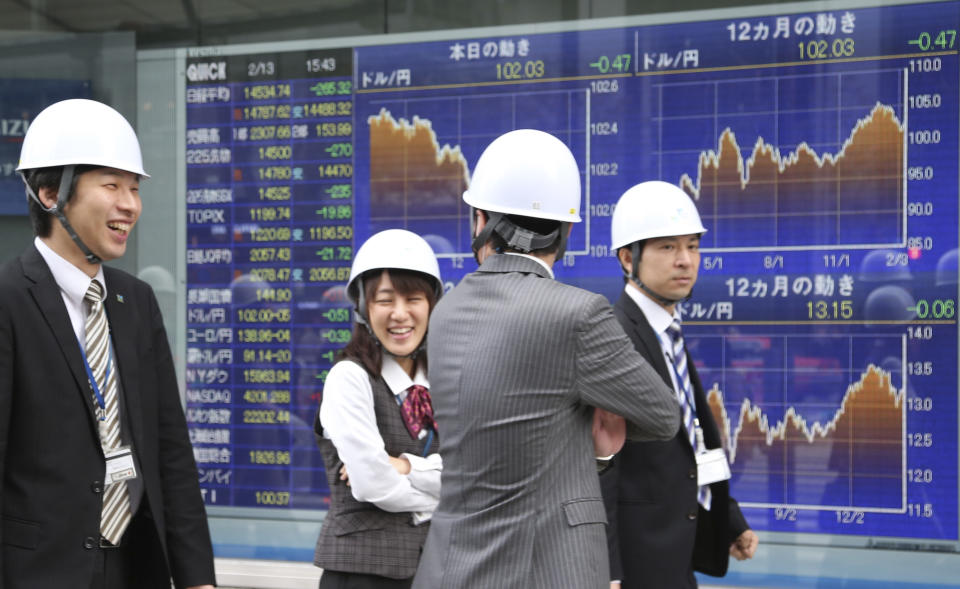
x=411 y=174
x=868 y=424
x=871 y=153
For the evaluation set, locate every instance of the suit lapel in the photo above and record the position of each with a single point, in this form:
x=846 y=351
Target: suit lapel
x=46 y=293
x=123 y=329
x=643 y=335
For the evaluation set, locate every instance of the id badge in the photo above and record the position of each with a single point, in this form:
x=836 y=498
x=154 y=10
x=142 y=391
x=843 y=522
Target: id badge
x=119 y=465
x=712 y=467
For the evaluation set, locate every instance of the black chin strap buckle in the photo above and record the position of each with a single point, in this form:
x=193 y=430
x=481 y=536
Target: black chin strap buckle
x=63 y=191
x=523 y=240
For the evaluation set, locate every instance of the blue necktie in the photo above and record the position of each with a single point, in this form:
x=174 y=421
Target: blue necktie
x=685 y=396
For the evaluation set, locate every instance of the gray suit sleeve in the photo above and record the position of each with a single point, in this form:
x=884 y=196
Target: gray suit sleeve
x=612 y=375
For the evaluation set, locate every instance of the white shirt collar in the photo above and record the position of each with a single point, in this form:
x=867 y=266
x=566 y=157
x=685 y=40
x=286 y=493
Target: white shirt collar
x=73 y=282
x=535 y=259
x=658 y=317
x=398 y=381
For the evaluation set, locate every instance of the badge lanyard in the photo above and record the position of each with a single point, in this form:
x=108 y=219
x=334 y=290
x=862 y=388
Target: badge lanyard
x=119 y=461
x=101 y=404
x=712 y=465
x=698 y=432
x=426 y=448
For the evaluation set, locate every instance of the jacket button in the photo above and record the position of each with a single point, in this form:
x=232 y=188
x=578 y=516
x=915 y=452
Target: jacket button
x=96 y=487
x=693 y=473
x=692 y=515
x=90 y=542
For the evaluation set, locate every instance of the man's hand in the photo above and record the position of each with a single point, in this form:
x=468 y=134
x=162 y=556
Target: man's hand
x=201 y=587
x=609 y=433
x=745 y=545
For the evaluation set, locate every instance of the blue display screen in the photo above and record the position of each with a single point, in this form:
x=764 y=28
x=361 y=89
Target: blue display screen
x=821 y=150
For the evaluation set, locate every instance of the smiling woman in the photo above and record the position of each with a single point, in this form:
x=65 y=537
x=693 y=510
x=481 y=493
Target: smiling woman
x=375 y=425
x=398 y=312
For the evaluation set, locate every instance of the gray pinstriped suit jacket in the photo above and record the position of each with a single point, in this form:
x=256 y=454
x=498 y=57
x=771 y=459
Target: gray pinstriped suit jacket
x=517 y=360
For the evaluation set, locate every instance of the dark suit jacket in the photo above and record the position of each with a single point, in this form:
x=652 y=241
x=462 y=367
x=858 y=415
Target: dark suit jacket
x=658 y=531
x=517 y=363
x=51 y=463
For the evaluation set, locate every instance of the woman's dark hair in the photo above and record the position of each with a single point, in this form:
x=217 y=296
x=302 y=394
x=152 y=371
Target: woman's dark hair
x=39 y=178
x=363 y=347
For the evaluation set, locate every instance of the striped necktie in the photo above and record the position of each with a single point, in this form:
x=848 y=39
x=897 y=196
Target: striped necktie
x=115 y=514
x=685 y=396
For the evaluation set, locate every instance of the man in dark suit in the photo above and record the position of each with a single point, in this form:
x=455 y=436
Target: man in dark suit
x=664 y=522
x=518 y=362
x=99 y=483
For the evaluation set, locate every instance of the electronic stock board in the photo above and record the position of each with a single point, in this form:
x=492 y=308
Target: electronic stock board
x=820 y=147
x=21 y=100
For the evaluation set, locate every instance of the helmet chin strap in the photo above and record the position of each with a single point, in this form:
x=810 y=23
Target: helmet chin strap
x=635 y=250
x=518 y=238
x=480 y=239
x=66 y=179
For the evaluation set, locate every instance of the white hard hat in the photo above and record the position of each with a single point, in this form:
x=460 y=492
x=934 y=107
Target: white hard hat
x=81 y=132
x=529 y=173
x=394 y=249
x=653 y=209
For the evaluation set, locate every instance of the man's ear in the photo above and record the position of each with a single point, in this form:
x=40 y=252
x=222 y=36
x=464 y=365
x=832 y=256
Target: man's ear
x=47 y=196
x=481 y=221
x=626 y=259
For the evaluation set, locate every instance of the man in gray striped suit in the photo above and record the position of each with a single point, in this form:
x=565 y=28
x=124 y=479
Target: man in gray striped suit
x=518 y=362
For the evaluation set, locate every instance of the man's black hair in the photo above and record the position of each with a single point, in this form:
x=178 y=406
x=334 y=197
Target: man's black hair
x=39 y=178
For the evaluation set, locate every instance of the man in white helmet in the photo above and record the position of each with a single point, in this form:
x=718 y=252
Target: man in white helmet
x=668 y=503
x=518 y=362
x=99 y=485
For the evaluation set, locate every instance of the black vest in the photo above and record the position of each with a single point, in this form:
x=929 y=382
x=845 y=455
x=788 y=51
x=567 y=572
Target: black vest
x=360 y=537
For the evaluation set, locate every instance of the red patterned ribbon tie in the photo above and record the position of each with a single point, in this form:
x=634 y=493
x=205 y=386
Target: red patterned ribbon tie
x=417 y=410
